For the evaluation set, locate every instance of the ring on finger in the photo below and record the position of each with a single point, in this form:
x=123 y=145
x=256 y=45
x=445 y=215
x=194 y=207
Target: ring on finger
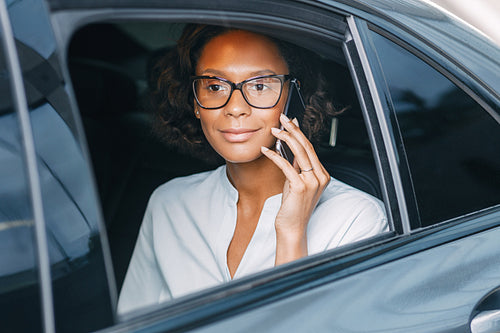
x=306 y=170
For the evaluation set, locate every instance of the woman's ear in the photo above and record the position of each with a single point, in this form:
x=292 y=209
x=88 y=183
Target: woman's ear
x=197 y=113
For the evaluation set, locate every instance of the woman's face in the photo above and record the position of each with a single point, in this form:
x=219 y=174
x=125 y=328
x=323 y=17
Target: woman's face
x=238 y=130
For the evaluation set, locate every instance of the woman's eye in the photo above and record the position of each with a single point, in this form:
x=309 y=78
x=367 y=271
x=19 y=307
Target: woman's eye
x=215 y=87
x=258 y=87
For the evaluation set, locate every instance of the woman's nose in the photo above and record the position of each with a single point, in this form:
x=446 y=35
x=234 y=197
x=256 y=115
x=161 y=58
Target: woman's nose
x=237 y=105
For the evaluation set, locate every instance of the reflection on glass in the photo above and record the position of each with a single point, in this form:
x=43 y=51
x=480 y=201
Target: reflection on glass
x=81 y=294
x=450 y=141
x=19 y=290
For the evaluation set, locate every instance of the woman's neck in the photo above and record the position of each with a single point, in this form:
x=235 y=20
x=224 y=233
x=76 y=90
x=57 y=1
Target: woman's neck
x=259 y=179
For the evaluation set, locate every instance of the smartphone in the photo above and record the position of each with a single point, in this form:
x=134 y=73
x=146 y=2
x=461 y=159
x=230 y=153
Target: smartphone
x=294 y=108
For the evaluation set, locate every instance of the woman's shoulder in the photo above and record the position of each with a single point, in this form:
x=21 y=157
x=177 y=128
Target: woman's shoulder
x=349 y=203
x=345 y=214
x=339 y=191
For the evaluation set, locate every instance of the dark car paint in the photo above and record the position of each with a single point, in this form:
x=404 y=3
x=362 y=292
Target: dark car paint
x=284 y=288
x=298 y=281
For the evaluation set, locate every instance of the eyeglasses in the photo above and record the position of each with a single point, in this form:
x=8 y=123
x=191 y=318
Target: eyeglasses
x=262 y=92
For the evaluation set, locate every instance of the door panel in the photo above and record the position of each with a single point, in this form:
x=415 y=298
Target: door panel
x=432 y=291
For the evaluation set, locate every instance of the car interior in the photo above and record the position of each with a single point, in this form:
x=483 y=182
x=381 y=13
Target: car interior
x=111 y=71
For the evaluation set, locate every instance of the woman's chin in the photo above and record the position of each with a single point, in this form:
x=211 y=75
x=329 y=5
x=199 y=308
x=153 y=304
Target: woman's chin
x=243 y=157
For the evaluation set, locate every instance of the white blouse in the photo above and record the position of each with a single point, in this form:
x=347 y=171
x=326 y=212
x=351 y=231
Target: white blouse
x=190 y=221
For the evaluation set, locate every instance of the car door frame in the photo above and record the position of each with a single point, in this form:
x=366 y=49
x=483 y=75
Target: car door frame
x=79 y=18
x=486 y=310
x=249 y=293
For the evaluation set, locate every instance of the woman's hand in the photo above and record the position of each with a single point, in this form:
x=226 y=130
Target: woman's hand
x=305 y=182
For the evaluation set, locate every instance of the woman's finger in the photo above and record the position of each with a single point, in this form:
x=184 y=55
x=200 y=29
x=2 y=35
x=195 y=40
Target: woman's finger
x=301 y=156
x=288 y=170
x=299 y=136
x=303 y=150
x=295 y=131
x=310 y=180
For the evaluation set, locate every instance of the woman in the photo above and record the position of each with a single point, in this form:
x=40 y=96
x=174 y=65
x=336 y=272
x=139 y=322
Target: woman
x=257 y=210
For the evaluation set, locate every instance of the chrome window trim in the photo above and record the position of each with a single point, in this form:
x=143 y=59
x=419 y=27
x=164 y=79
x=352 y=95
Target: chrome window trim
x=20 y=104
x=353 y=24
x=366 y=104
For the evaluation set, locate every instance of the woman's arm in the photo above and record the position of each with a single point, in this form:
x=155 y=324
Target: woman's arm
x=305 y=182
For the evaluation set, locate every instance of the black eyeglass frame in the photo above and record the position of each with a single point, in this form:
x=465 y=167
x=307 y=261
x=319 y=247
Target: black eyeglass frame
x=237 y=86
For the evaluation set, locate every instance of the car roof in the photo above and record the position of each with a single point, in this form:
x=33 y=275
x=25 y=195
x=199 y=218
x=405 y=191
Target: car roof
x=464 y=45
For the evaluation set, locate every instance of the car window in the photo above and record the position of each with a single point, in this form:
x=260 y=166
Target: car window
x=113 y=82
x=450 y=141
x=81 y=291
x=19 y=287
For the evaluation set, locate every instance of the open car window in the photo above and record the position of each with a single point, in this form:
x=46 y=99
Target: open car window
x=112 y=66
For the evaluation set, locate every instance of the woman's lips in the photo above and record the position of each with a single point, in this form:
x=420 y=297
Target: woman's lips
x=238 y=134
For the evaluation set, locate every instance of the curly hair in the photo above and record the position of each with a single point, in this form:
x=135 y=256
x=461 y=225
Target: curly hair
x=173 y=101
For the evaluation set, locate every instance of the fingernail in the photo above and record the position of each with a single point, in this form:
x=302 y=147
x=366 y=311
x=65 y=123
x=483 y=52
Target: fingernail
x=296 y=122
x=284 y=117
x=263 y=149
x=275 y=130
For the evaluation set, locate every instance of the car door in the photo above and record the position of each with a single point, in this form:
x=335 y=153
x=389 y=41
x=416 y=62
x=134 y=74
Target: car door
x=420 y=277
x=446 y=128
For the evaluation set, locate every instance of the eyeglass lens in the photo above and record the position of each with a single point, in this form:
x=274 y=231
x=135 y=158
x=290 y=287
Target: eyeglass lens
x=261 y=92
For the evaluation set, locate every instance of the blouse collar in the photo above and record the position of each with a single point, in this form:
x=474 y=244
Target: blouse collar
x=232 y=192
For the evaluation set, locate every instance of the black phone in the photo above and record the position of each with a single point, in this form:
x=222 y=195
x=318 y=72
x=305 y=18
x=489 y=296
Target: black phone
x=294 y=108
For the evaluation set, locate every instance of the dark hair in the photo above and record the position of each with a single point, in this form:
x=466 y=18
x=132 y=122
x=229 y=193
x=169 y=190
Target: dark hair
x=172 y=97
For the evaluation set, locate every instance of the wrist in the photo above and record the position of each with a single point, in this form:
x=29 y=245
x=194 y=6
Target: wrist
x=290 y=245
x=290 y=234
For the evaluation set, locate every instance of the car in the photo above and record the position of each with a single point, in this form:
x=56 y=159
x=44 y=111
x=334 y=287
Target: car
x=420 y=131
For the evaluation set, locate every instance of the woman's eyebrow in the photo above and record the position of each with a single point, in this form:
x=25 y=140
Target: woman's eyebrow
x=212 y=72
x=263 y=72
x=219 y=73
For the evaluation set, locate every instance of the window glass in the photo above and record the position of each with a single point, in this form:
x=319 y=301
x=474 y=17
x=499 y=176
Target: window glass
x=81 y=294
x=19 y=288
x=451 y=142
